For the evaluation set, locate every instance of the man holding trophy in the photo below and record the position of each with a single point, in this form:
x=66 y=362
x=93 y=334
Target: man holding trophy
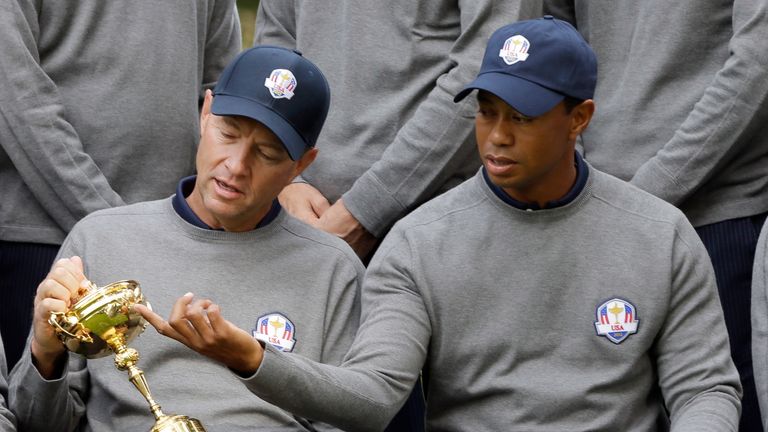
x=222 y=236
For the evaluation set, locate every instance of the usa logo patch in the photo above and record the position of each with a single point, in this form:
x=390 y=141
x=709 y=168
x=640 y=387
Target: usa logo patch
x=616 y=320
x=281 y=84
x=277 y=330
x=515 y=49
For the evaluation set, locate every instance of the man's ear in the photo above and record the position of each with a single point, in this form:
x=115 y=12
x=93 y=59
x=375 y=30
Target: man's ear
x=206 y=110
x=306 y=159
x=581 y=115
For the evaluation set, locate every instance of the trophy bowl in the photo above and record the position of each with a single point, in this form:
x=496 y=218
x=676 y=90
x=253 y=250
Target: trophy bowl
x=102 y=321
x=97 y=316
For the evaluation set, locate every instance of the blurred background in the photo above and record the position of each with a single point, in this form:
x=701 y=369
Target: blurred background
x=247 y=10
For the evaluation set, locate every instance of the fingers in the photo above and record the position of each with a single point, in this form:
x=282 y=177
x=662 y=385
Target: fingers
x=53 y=295
x=200 y=325
x=188 y=323
x=50 y=289
x=158 y=322
x=218 y=324
x=73 y=267
x=63 y=281
x=196 y=315
x=178 y=319
x=78 y=264
x=318 y=203
x=303 y=202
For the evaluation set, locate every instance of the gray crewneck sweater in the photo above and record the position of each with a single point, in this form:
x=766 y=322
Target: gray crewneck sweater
x=99 y=104
x=286 y=271
x=681 y=100
x=503 y=307
x=394 y=137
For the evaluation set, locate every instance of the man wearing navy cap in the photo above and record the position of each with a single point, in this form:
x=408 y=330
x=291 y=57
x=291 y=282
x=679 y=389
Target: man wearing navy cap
x=223 y=236
x=682 y=94
x=541 y=294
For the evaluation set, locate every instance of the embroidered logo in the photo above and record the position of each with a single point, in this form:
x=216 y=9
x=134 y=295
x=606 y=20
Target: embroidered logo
x=515 y=49
x=281 y=84
x=276 y=330
x=616 y=320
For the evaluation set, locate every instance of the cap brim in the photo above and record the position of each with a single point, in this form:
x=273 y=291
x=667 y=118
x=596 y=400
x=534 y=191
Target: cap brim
x=226 y=105
x=524 y=96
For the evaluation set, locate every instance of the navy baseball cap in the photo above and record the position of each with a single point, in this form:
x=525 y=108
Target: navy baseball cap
x=279 y=88
x=533 y=65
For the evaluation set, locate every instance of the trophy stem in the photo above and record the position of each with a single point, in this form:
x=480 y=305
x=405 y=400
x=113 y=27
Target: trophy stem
x=126 y=359
x=136 y=376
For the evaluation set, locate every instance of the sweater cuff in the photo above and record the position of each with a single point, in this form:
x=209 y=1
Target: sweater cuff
x=372 y=205
x=270 y=377
x=653 y=178
x=33 y=385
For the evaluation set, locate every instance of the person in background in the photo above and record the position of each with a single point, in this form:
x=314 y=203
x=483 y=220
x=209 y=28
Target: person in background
x=99 y=103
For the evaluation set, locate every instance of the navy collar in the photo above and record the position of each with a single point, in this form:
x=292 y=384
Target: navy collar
x=185 y=187
x=582 y=174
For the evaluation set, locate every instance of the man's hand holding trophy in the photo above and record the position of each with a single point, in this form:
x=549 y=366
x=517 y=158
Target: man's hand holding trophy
x=72 y=313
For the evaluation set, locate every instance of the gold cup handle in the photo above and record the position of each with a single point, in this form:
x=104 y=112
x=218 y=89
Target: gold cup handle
x=81 y=334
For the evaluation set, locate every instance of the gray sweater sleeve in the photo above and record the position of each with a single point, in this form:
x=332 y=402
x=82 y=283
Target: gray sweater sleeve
x=55 y=405
x=698 y=380
x=49 y=405
x=437 y=140
x=276 y=23
x=379 y=371
x=7 y=421
x=725 y=117
x=342 y=318
x=760 y=322
x=223 y=41
x=34 y=131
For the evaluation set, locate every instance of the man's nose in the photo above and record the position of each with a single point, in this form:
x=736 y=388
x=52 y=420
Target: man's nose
x=237 y=160
x=502 y=134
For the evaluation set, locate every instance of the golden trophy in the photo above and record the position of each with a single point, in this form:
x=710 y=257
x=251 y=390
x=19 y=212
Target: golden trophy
x=103 y=321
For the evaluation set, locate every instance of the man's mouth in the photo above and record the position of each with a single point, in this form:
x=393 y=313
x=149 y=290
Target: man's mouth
x=500 y=161
x=227 y=187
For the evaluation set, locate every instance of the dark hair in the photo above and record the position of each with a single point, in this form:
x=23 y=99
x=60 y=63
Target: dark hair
x=571 y=103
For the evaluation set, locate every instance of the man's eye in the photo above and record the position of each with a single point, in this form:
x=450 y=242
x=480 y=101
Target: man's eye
x=484 y=112
x=521 y=119
x=269 y=155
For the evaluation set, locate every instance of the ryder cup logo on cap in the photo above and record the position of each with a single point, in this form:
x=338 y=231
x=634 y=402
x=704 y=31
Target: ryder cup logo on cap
x=276 y=330
x=533 y=65
x=280 y=89
x=281 y=83
x=616 y=320
x=515 y=49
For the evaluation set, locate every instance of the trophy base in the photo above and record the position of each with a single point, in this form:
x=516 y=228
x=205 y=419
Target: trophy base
x=177 y=423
